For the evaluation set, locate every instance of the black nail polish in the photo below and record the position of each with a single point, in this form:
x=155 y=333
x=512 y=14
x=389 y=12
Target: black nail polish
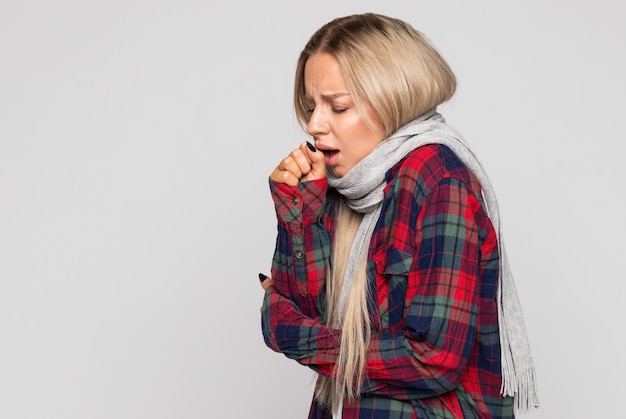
x=311 y=147
x=262 y=277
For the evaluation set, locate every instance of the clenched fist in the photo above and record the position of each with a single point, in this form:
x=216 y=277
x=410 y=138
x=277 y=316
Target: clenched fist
x=302 y=164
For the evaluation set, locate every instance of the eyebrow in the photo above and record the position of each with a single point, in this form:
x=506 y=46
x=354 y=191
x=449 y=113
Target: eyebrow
x=326 y=97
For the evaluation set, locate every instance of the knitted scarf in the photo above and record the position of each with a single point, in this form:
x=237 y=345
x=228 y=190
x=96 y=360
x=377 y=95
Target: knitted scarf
x=363 y=188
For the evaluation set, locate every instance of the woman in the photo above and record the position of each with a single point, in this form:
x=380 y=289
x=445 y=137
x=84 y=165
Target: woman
x=386 y=274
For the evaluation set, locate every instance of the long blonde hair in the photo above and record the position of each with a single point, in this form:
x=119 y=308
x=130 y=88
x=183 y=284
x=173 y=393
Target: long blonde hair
x=392 y=70
x=355 y=327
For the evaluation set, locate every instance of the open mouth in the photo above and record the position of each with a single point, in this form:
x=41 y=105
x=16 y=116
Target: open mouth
x=330 y=157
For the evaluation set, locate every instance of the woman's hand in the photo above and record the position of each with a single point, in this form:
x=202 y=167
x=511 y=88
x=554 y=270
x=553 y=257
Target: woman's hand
x=302 y=164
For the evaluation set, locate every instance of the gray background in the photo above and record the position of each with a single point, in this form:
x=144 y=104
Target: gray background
x=136 y=139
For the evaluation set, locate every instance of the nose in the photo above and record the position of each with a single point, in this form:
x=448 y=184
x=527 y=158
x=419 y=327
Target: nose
x=317 y=123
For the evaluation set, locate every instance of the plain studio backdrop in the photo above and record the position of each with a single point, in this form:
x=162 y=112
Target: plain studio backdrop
x=136 y=139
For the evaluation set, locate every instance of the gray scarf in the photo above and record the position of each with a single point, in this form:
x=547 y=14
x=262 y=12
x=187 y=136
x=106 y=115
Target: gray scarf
x=363 y=187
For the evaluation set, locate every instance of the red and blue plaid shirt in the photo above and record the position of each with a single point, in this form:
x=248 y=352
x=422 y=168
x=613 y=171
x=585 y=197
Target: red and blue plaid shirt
x=432 y=271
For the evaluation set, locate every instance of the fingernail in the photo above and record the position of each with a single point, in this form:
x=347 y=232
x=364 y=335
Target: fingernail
x=311 y=147
x=262 y=277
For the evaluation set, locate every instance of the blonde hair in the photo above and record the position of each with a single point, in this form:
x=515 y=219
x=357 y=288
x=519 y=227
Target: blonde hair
x=389 y=67
x=355 y=327
x=392 y=70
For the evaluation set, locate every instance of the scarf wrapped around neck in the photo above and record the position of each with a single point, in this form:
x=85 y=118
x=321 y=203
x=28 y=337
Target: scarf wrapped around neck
x=363 y=187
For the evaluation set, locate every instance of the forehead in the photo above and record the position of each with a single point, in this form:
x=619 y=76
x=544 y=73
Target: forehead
x=323 y=75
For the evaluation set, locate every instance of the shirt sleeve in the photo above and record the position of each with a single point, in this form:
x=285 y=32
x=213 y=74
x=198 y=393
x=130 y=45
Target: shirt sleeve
x=303 y=246
x=293 y=312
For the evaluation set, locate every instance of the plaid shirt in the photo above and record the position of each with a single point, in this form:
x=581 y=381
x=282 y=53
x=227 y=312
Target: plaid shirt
x=432 y=270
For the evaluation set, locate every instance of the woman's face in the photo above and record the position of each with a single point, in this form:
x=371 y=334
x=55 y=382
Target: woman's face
x=339 y=130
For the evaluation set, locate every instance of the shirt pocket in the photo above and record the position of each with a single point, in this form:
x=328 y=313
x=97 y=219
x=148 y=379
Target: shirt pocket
x=393 y=267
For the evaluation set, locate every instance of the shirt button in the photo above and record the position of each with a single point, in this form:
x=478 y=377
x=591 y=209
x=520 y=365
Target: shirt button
x=299 y=254
x=295 y=201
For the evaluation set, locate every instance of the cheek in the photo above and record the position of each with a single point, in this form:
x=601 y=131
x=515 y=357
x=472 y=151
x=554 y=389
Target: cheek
x=355 y=129
x=358 y=139
x=362 y=150
x=368 y=140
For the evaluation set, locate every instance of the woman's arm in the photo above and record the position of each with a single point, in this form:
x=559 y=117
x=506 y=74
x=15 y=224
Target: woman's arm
x=294 y=308
x=303 y=245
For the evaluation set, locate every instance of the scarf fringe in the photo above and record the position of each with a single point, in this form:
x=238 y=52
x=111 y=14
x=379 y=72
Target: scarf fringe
x=518 y=371
x=522 y=388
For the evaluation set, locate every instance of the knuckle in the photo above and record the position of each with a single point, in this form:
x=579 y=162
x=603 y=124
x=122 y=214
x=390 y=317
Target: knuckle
x=285 y=162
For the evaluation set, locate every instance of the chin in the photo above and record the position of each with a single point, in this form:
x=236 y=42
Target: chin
x=336 y=172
